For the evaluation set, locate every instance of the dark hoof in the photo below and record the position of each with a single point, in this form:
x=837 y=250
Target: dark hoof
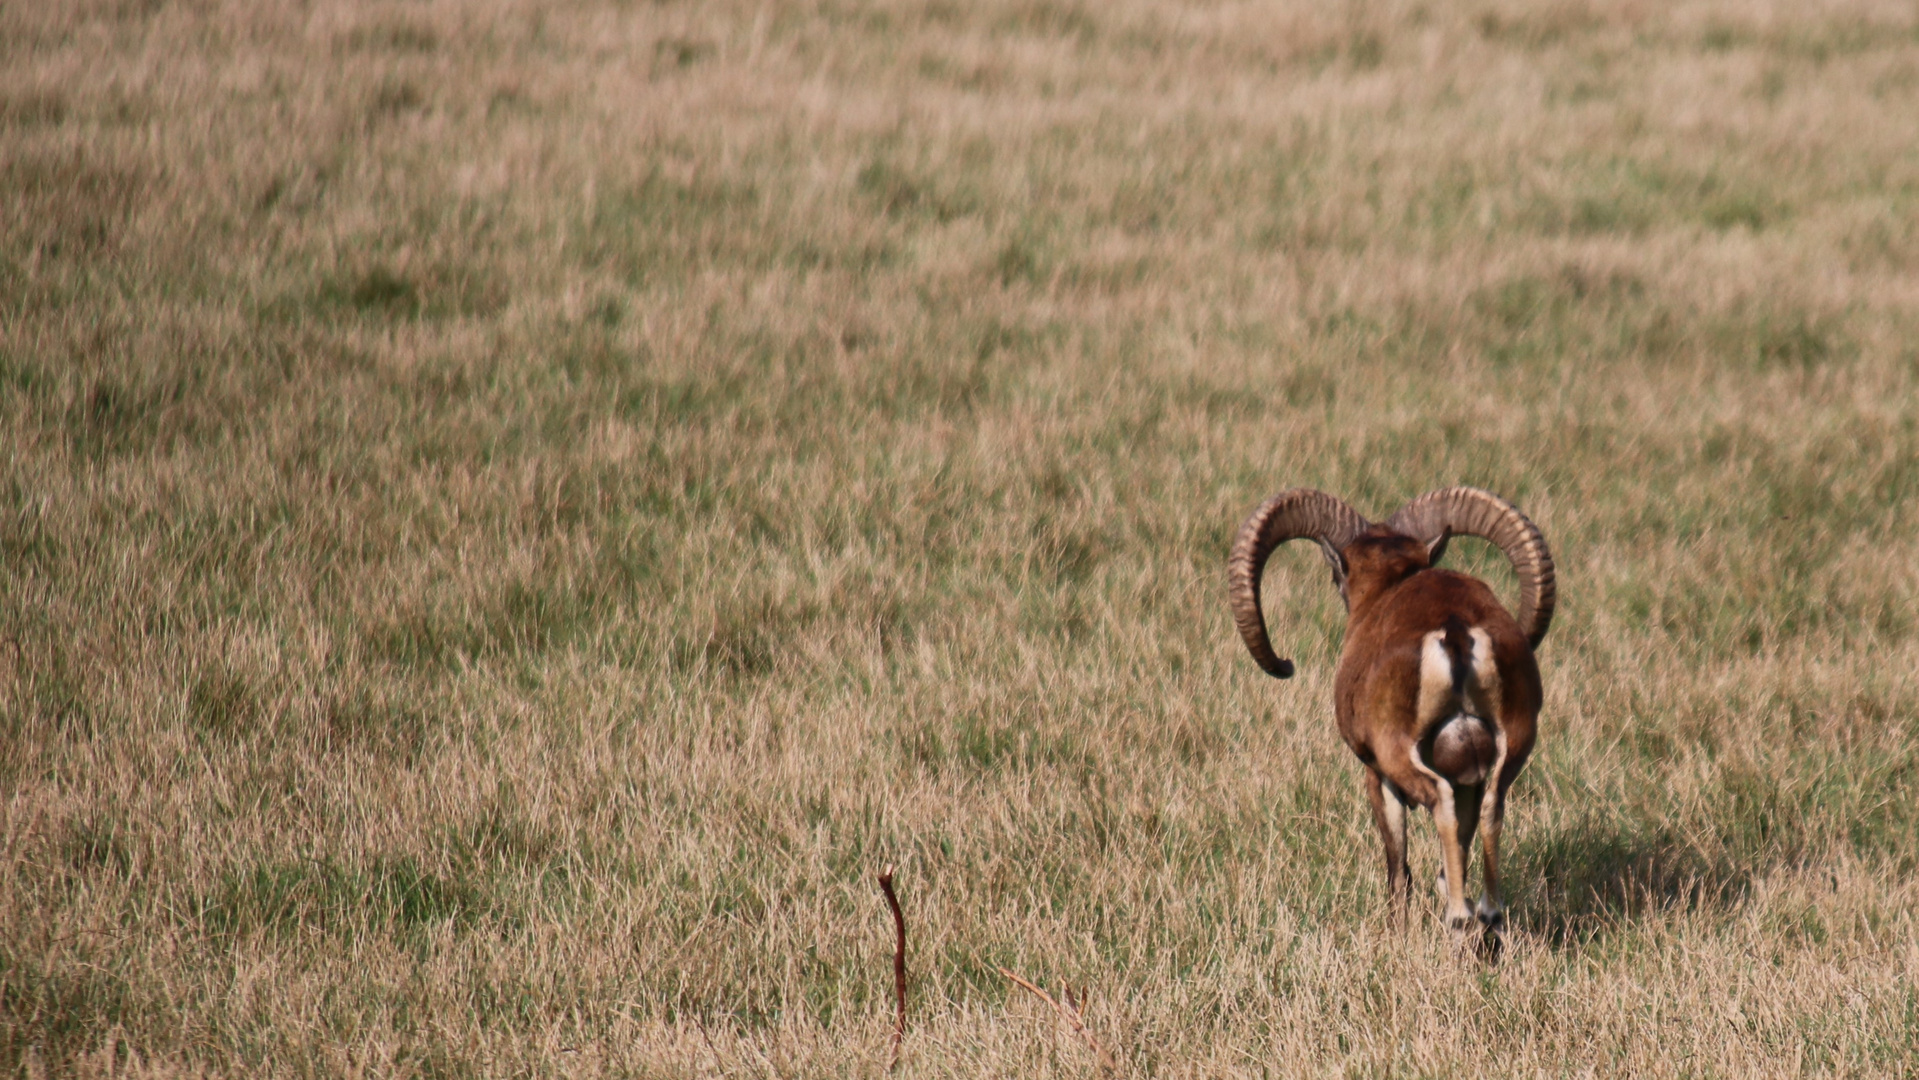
x=1491 y=944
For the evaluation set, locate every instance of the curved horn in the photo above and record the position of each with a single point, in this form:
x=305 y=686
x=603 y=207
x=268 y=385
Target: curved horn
x=1289 y=515
x=1473 y=512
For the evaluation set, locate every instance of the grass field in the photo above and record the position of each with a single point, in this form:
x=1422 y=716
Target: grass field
x=514 y=512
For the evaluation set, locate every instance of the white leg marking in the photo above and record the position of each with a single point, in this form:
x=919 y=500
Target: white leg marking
x=1491 y=910
x=1446 y=819
x=1395 y=815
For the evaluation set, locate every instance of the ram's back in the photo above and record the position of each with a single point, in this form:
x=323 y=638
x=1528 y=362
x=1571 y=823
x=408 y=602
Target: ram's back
x=1385 y=664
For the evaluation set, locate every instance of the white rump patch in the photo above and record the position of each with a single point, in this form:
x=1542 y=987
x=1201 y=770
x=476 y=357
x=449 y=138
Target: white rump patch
x=1438 y=697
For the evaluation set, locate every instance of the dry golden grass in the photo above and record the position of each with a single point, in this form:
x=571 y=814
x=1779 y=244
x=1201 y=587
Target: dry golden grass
x=514 y=512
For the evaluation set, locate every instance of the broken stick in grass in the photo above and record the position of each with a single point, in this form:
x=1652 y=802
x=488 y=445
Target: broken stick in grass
x=899 y=964
x=1072 y=1017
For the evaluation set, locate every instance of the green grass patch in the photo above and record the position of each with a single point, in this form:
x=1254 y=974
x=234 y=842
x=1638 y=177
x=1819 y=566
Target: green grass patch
x=382 y=895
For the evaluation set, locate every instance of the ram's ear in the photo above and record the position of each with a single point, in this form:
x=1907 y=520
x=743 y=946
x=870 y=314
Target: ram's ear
x=1436 y=550
x=1338 y=562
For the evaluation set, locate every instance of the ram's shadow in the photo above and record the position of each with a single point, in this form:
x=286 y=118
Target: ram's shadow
x=1589 y=878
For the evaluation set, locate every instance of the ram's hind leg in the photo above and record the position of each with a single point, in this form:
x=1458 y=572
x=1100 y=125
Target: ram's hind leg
x=1389 y=815
x=1491 y=910
x=1466 y=810
x=1513 y=732
x=1447 y=822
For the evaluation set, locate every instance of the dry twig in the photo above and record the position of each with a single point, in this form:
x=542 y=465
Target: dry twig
x=1072 y=1017
x=899 y=964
